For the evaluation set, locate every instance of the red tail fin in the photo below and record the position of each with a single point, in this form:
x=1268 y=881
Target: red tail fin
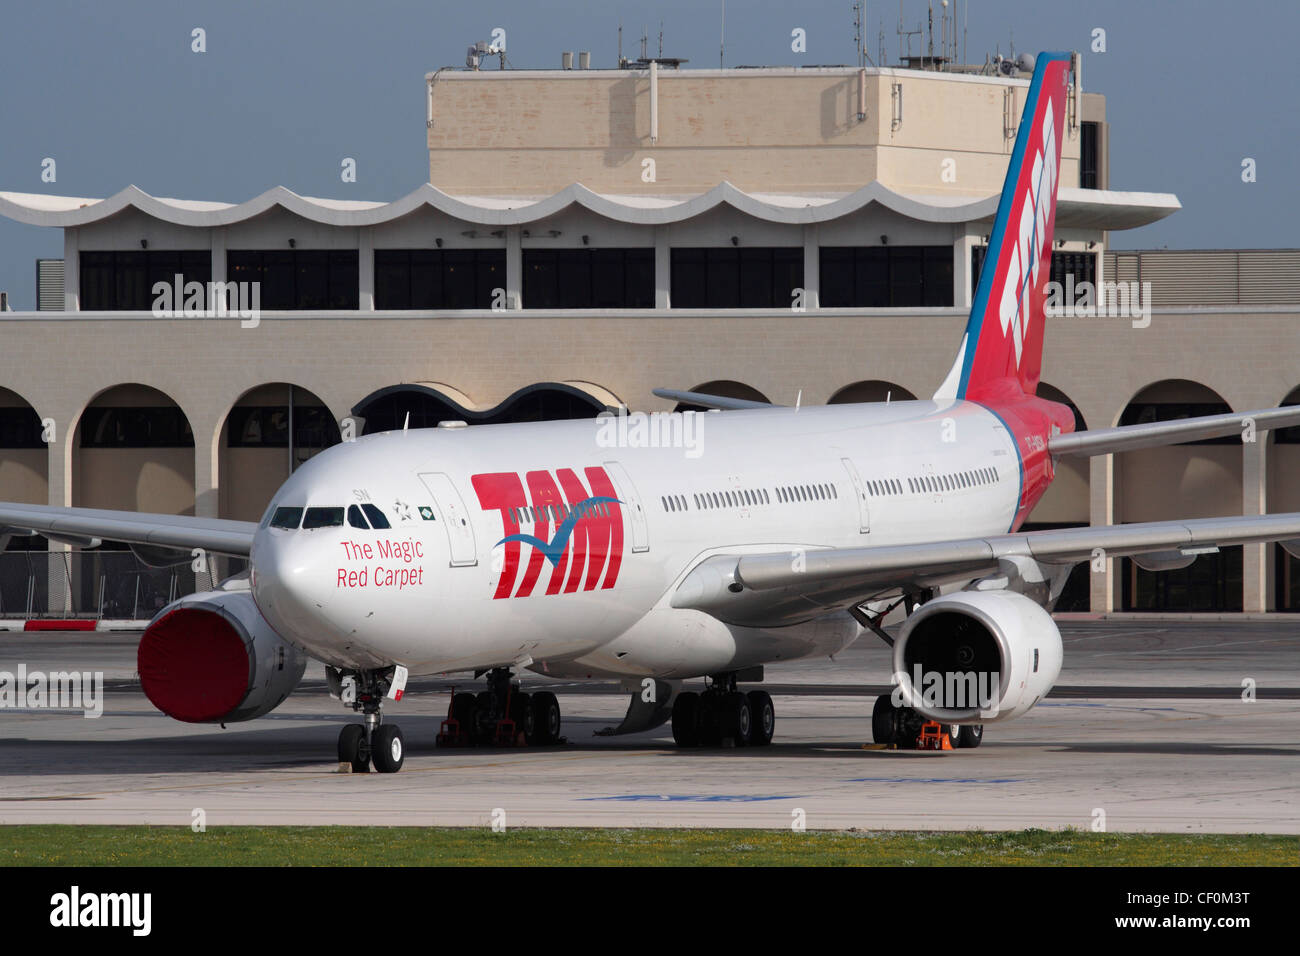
x=1003 y=347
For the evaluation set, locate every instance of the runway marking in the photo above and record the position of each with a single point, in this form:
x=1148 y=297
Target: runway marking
x=935 y=780
x=696 y=798
x=1222 y=645
x=1066 y=638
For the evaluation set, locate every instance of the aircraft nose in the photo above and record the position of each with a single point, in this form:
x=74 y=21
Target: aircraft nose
x=288 y=581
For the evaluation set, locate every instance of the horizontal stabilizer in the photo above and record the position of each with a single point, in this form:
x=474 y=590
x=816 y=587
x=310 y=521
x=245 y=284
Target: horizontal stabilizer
x=710 y=401
x=1103 y=441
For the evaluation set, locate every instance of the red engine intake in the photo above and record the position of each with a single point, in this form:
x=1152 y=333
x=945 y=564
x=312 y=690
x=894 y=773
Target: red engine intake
x=213 y=658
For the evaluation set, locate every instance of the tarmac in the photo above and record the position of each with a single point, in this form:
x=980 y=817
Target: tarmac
x=1167 y=726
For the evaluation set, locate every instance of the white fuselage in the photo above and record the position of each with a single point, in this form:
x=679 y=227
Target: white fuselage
x=438 y=591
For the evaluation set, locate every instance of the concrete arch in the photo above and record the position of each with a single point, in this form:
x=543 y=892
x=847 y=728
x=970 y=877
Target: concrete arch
x=24 y=454
x=253 y=441
x=1174 y=391
x=871 y=390
x=1192 y=480
x=132 y=449
x=386 y=408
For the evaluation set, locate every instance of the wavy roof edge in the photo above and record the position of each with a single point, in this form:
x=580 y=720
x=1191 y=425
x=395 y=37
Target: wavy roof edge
x=1080 y=207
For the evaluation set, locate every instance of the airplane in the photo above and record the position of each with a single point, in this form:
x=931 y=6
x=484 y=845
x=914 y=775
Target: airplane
x=783 y=533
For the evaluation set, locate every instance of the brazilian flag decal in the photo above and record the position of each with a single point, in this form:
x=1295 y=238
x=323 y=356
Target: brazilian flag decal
x=426 y=513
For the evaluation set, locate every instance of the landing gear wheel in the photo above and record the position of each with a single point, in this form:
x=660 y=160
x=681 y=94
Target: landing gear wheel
x=525 y=718
x=762 y=716
x=882 y=721
x=546 y=712
x=738 y=718
x=481 y=730
x=686 y=719
x=388 y=750
x=972 y=735
x=352 y=748
x=709 y=720
x=955 y=734
x=464 y=710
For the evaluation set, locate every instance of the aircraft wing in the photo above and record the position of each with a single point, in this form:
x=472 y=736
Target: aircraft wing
x=87 y=526
x=789 y=586
x=1103 y=441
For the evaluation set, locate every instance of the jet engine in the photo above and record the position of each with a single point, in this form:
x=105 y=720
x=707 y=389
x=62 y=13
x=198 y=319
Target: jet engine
x=212 y=658
x=976 y=657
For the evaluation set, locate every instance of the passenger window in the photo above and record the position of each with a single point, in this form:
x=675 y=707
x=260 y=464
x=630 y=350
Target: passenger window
x=377 y=519
x=355 y=518
x=286 y=518
x=322 y=518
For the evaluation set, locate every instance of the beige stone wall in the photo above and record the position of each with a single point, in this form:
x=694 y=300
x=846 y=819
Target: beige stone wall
x=206 y=366
x=775 y=130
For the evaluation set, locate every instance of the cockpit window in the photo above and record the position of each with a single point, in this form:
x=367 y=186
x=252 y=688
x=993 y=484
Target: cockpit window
x=323 y=518
x=377 y=519
x=355 y=518
x=287 y=518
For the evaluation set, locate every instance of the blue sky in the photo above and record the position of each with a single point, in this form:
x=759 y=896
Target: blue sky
x=112 y=91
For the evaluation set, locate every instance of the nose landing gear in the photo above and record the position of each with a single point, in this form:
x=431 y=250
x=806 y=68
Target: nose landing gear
x=371 y=742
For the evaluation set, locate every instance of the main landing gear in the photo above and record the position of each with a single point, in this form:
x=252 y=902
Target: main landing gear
x=723 y=716
x=501 y=716
x=373 y=741
x=904 y=728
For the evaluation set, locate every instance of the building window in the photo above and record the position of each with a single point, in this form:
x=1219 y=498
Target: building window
x=267 y=426
x=298 y=278
x=1088 y=155
x=730 y=278
x=1146 y=413
x=124 y=281
x=1082 y=265
x=144 y=426
x=20 y=427
x=1210 y=583
x=589 y=278
x=438 y=278
x=877 y=277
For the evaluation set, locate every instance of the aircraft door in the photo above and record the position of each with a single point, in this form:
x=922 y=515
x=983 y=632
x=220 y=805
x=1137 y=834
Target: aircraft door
x=632 y=502
x=451 y=511
x=860 y=491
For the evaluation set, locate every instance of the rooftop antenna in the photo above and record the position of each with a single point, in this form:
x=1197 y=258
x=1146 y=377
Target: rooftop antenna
x=661 y=39
x=620 y=43
x=722 y=39
x=645 y=39
x=859 y=11
x=857 y=30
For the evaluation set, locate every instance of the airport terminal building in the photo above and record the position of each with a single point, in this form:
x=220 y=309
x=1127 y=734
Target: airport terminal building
x=587 y=236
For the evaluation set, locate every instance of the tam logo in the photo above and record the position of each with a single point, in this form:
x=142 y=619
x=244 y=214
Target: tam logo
x=576 y=527
x=1033 y=233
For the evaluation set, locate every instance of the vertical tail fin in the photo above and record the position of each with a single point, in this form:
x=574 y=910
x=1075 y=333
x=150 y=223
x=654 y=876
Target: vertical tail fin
x=1003 y=345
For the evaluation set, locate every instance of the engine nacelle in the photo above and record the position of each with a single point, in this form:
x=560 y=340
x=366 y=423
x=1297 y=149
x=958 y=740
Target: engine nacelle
x=977 y=657
x=212 y=658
